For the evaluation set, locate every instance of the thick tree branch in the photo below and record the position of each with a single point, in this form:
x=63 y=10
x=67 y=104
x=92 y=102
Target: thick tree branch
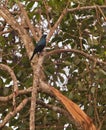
x=37 y=67
x=95 y=60
x=22 y=32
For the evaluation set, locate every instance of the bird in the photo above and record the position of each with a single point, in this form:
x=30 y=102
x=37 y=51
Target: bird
x=39 y=46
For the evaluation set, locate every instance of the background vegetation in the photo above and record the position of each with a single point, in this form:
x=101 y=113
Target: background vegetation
x=80 y=76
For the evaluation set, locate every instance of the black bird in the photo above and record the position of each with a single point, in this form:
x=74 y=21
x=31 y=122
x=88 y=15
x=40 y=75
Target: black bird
x=40 y=45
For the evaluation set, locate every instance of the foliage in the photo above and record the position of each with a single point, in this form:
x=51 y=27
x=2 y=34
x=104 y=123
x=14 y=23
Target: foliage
x=79 y=78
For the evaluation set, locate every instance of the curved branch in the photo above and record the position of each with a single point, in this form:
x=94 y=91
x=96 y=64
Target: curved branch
x=15 y=84
x=96 y=60
x=11 y=72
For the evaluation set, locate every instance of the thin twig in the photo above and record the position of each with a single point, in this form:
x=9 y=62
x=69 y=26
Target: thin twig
x=52 y=30
x=47 y=13
x=85 y=8
x=101 y=123
x=20 y=92
x=28 y=21
x=52 y=107
x=98 y=7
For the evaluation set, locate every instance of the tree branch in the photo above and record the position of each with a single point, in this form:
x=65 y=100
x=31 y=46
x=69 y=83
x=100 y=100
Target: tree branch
x=55 y=109
x=20 y=29
x=37 y=65
x=85 y=8
x=20 y=92
x=28 y=21
x=15 y=84
x=29 y=47
x=52 y=30
x=11 y=72
x=47 y=13
x=96 y=60
x=13 y=113
x=98 y=7
x=4 y=32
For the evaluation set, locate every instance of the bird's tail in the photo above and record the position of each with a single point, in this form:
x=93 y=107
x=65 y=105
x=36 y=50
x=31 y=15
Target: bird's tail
x=32 y=56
